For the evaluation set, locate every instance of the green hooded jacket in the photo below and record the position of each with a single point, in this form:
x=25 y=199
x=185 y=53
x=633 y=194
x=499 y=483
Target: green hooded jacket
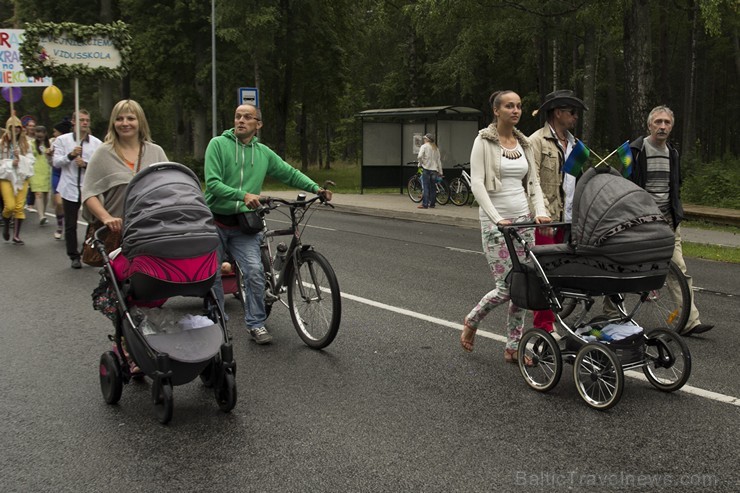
x=233 y=169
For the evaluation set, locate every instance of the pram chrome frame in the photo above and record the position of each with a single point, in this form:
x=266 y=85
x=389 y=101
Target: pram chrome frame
x=598 y=367
x=219 y=372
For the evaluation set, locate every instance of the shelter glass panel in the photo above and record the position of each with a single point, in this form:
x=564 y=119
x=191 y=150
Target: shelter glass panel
x=381 y=144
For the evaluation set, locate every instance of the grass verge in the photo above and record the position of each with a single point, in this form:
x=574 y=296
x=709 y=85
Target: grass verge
x=711 y=252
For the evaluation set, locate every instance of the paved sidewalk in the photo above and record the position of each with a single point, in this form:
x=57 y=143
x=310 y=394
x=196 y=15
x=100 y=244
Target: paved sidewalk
x=398 y=206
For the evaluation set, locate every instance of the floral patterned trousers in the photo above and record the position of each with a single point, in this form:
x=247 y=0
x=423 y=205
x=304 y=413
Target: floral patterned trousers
x=497 y=256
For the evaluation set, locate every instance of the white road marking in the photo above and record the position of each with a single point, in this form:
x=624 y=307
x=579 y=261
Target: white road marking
x=707 y=394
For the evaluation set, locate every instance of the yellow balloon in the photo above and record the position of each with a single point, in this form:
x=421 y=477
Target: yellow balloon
x=52 y=96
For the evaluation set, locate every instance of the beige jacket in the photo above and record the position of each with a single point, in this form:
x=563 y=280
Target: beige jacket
x=548 y=159
x=485 y=172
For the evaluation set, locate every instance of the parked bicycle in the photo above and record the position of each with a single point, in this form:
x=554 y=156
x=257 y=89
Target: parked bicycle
x=415 y=190
x=298 y=270
x=461 y=188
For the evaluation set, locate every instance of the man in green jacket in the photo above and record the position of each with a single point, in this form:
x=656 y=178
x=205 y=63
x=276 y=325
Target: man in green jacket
x=235 y=169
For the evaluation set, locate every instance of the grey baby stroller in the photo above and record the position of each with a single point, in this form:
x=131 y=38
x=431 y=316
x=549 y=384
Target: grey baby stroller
x=619 y=243
x=169 y=250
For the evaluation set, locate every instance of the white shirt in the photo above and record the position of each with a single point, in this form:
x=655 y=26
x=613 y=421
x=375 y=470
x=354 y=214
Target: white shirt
x=72 y=176
x=429 y=158
x=569 y=181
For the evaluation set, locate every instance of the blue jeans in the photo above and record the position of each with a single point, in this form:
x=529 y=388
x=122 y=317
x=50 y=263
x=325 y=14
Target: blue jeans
x=429 y=185
x=245 y=249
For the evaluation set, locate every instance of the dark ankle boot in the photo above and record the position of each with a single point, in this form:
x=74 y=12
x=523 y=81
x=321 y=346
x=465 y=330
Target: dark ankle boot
x=17 y=231
x=6 y=228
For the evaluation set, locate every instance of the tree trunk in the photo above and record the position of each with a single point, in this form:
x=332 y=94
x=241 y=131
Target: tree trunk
x=302 y=124
x=589 y=84
x=197 y=115
x=638 y=64
x=286 y=82
x=181 y=134
x=663 y=88
x=412 y=65
x=688 y=130
x=328 y=146
x=105 y=86
x=555 y=78
x=614 y=129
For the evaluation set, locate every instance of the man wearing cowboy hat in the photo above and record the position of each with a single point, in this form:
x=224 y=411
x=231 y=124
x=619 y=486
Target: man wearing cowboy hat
x=551 y=145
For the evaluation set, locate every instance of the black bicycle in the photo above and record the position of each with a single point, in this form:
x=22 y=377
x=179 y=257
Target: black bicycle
x=298 y=270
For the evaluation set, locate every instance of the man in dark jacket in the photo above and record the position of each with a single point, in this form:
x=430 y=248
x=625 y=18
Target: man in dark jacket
x=657 y=170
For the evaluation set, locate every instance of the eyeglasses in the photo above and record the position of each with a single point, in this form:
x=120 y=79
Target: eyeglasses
x=249 y=118
x=572 y=111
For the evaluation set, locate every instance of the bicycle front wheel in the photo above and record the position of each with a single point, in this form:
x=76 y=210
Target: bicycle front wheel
x=314 y=300
x=459 y=192
x=414 y=188
x=443 y=192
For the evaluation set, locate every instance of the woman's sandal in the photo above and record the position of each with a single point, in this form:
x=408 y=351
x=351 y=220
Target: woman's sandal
x=467 y=338
x=512 y=356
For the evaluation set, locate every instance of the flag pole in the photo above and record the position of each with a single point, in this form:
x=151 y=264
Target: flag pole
x=607 y=157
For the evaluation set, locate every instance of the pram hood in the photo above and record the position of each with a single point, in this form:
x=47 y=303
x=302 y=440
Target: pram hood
x=616 y=218
x=165 y=214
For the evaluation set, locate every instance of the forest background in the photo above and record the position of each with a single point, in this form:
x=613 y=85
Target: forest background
x=317 y=63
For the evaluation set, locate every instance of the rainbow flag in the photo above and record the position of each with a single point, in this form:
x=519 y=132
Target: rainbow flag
x=625 y=155
x=576 y=159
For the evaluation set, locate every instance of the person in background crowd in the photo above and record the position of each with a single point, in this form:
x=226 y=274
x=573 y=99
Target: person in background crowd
x=72 y=156
x=29 y=125
x=552 y=145
x=15 y=169
x=430 y=161
x=41 y=179
x=61 y=128
x=657 y=169
x=505 y=184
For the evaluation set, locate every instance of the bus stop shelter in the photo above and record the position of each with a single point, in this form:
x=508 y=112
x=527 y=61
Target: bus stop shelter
x=391 y=139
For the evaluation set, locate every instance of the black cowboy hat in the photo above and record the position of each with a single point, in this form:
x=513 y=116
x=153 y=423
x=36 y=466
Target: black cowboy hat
x=563 y=98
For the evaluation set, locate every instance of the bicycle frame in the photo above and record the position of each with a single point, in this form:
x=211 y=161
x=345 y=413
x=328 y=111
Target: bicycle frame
x=276 y=280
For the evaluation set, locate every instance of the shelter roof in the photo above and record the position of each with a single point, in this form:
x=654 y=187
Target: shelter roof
x=440 y=112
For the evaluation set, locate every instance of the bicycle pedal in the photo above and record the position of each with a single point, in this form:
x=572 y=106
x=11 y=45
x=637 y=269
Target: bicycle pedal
x=271 y=298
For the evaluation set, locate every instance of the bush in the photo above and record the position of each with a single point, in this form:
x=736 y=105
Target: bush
x=715 y=184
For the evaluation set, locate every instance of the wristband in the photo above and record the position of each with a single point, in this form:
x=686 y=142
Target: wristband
x=71 y=158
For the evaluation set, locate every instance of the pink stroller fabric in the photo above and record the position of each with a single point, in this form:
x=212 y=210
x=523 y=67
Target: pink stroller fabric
x=177 y=271
x=185 y=270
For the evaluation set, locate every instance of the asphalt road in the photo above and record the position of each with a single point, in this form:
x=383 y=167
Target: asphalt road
x=393 y=404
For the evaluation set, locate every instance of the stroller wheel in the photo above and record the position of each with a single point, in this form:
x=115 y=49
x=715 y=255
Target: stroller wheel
x=111 y=379
x=667 y=360
x=162 y=397
x=226 y=392
x=540 y=361
x=598 y=376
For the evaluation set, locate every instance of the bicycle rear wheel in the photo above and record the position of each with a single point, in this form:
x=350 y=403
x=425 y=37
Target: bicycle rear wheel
x=667 y=307
x=314 y=299
x=413 y=188
x=443 y=192
x=459 y=192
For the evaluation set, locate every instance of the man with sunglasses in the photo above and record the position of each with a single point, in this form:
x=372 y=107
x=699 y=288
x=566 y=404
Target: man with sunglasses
x=235 y=170
x=552 y=145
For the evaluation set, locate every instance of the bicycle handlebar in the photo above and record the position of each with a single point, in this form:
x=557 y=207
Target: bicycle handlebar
x=462 y=165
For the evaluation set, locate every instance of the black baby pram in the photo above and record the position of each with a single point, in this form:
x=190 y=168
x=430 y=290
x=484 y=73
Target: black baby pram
x=619 y=243
x=169 y=249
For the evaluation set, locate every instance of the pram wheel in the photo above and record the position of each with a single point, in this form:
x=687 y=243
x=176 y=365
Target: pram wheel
x=668 y=360
x=162 y=397
x=226 y=392
x=111 y=379
x=540 y=361
x=598 y=375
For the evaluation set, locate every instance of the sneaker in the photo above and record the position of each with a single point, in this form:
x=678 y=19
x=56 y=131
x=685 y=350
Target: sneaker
x=58 y=234
x=43 y=221
x=76 y=264
x=260 y=335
